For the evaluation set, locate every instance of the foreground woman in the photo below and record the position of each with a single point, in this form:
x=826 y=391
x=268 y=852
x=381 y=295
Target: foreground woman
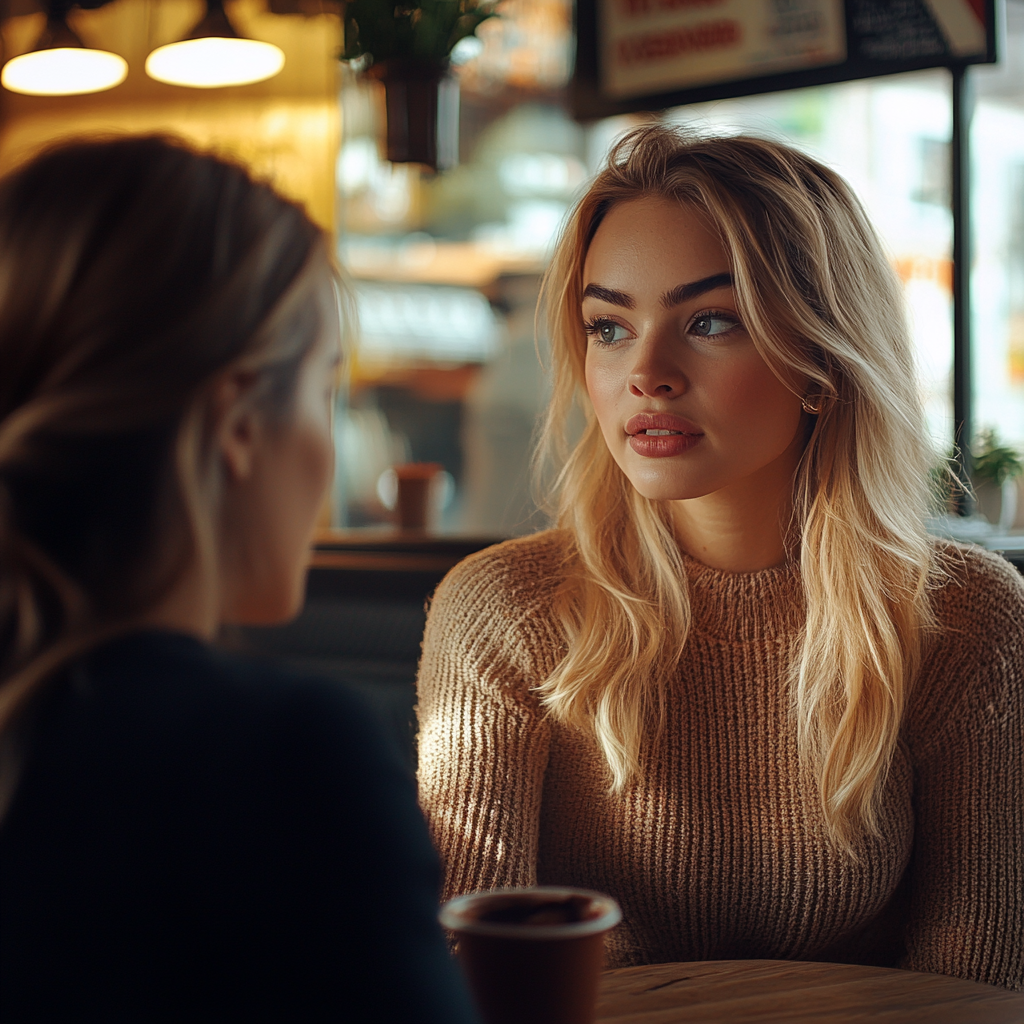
x=186 y=835
x=739 y=688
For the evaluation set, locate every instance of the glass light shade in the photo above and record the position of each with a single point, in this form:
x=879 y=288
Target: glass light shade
x=64 y=71
x=214 y=61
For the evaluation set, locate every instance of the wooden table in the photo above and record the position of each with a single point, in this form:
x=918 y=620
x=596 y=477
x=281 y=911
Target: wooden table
x=788 y=992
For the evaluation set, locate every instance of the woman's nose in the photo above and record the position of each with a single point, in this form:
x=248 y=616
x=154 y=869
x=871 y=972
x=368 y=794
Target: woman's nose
x=655 y=376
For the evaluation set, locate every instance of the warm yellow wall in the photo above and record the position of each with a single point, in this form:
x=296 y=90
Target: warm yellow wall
x=291 y=141
x=286 y=129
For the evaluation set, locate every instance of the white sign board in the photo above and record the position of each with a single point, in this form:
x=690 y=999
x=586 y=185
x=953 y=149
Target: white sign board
x=657 y=46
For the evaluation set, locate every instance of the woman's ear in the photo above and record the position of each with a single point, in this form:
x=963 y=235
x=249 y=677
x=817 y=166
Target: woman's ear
x=236 y=422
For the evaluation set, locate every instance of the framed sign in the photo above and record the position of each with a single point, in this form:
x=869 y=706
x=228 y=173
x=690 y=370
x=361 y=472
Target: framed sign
x=650 y=54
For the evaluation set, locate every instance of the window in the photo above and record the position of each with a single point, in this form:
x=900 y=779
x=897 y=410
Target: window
x=479 y=236
x=997 y=209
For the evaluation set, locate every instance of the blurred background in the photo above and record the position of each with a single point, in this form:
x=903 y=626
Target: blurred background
x=447 y=266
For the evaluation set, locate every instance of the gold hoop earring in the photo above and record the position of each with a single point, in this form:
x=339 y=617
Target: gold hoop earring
x=813 y=408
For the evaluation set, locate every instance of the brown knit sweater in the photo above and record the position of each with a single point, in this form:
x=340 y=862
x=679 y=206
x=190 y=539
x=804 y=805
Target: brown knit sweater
x=720 y=852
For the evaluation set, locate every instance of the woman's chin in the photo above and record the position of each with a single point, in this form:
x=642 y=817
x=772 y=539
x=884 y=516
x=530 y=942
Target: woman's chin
x=271 y=609
x=660 y=489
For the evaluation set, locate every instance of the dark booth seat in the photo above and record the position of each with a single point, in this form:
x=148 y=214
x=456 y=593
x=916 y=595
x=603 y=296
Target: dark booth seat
x=364 y=616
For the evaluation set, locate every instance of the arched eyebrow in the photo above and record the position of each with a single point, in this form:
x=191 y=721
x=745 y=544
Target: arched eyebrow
x=610 y=295
x=685 y=292
x=679 y=294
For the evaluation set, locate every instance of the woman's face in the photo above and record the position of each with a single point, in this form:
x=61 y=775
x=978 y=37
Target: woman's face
x=271 y=514
x=685 y=402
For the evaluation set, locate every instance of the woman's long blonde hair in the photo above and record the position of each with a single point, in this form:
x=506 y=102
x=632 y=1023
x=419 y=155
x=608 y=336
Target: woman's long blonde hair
x=819 y=299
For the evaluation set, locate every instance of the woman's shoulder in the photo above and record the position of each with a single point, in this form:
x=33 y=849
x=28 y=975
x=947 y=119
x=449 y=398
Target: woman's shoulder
x=495 y=608
x=141 y=664
x=516 y=575
x=975 y=589
x=179 y=692
x=974 y=657
x=214 y=732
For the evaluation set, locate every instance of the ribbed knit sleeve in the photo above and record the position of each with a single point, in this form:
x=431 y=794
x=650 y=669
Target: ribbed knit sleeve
x=483 y=740
x=967 y=747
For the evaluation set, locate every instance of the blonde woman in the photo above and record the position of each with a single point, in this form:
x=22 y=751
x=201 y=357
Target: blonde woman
x=739 y=687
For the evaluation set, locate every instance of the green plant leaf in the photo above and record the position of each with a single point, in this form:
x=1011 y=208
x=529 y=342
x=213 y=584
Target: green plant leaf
x=994 y=461
x=422 y=29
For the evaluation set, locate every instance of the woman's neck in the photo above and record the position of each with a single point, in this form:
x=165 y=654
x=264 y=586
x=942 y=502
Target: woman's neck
x=742 y=527
x=190 y=606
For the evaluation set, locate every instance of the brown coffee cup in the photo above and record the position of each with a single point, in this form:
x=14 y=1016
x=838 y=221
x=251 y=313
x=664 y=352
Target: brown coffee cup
x=413 y=500
x=532 y=956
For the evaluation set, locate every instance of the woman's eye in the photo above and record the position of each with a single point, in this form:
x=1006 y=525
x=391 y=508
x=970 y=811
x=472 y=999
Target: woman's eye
x=608 y=332
x=711 y=324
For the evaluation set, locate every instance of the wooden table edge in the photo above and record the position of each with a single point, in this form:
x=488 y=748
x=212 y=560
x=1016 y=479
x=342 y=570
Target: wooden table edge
x=728 y=988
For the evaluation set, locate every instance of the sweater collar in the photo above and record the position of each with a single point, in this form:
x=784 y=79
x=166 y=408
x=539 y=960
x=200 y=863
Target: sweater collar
x=745 y=606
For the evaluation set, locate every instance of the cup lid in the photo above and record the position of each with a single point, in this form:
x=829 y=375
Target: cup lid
x=456 y=914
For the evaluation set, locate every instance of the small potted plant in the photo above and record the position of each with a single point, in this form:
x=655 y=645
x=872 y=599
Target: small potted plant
x=997 y=468
x=407 y=47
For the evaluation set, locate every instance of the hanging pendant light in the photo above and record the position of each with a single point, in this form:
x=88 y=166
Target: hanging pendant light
x=60 y=64
x=214 y=55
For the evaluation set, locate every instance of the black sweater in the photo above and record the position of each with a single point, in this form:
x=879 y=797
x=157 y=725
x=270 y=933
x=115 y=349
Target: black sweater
x=199 y=837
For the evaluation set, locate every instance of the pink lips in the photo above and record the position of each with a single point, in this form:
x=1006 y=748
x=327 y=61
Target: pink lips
x=684 y=435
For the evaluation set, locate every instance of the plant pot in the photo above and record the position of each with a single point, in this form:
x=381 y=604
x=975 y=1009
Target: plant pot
x=998 y=504
x=422 y=103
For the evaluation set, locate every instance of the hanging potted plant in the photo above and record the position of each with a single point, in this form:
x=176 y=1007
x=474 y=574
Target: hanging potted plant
x=997 y=468
x=407 y=47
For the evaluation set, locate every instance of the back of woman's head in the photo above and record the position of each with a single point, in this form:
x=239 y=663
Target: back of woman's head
x=821 y=303
x=132 y=271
